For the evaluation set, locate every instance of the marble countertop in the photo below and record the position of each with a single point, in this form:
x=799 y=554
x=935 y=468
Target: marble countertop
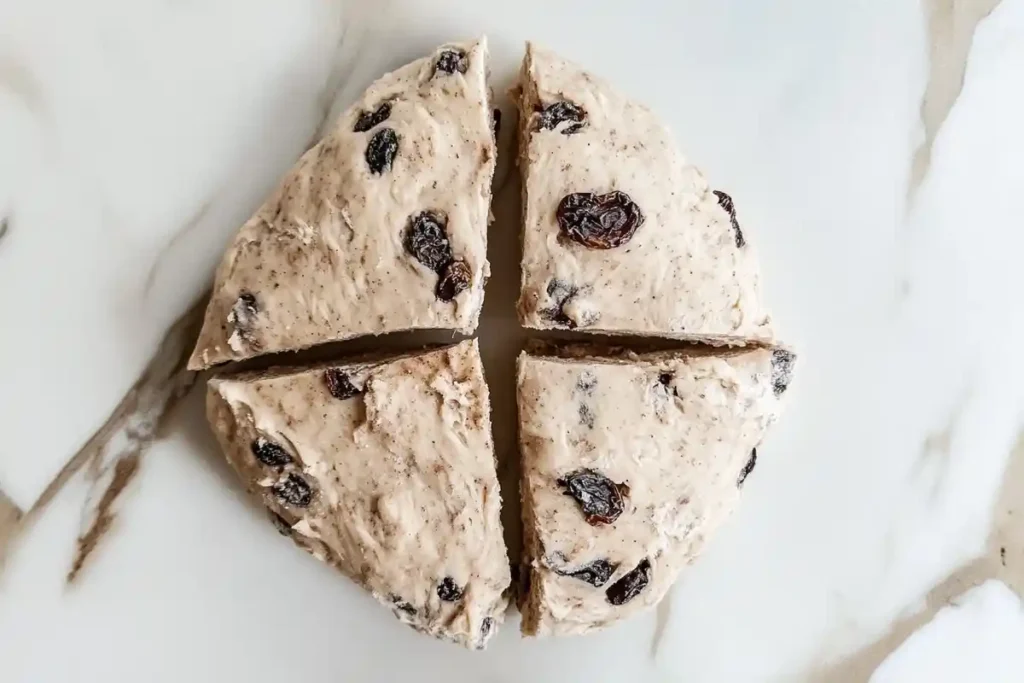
x=875 y=150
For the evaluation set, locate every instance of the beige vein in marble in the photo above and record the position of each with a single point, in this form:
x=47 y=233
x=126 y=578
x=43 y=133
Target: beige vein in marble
x=662 y=616
x=10 y=515
x=1003 y=560
x=111 y=457
x=951 y=25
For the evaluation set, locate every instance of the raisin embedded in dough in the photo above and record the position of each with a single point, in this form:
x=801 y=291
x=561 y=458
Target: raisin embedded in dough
x=782 y=369
x=451 y=61
x=630 y=585
x=371 y=119
x=599 y=498
x=339 y=384
x=269 y=453
x=557 y=113
x=561 y=293
x=595 y=573
x=725 y=201
x=455 y=280
x=748 y=468
x=426 y=240
x=448 y=590
x=382 y=150
x=293 y=490
x=599 y=221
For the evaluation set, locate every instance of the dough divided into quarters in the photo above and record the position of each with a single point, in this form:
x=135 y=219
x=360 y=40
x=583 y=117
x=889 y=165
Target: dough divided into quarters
x=385 y=470
x=630 y=462
x=381 y=227
x=622 y=235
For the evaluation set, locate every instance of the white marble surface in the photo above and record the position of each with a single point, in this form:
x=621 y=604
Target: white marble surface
x=136 y=136
x=976 y=638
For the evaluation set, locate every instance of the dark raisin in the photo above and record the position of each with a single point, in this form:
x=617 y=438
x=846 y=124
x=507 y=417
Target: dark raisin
x=599 y=497
x=748 y=468
x=403 y=606
x=454 y=281
x=558 y=112
x=339 y=384
x=283 y=527
x=269 y=453
x=496 y=122
x=293 y=490
x=448 y=590
x=561 y=293
x=725 y=201
x=381 y=150
x=372 y=119
x=586 y=382
x=586 y=416
x=486 y=626
x=451 y=61
x=782 y=369
x=597 y=221
x=243 y=315
x=595 y=573
x=665 y=379
x=426 y=240
x=630 y=585
x=247 y=304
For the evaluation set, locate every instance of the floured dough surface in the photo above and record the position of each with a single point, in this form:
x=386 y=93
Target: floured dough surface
x=386 y=471
x=630 y=462
x=327 y=257
x=677 y=263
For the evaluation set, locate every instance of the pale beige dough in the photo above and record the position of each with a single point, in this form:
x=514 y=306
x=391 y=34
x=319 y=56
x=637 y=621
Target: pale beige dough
x=683 y=274
x=395 y=486
x=323 y=259
x=678 y=430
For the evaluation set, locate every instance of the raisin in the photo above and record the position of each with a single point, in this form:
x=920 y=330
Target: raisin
x=426 y=240
x=782 y=369
x=586 y=382
x=665 y=379
x=485 y=630
x=371 y=119
x=403 y=606
x=269 y=453
x=595 y=573
x=559 y=112
x=587 y=416
x=597 y=221
x=293 y=490
x=725 y=201
x=747 y=469
x=451 y=61
x=381 y=150
x=630 y=585
x=448 y=590
x=561 y=292
x=599 y=497
x=243 y=315
x=283 y=527
x=455 y=280
x=340 y=385
x=496 y=122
